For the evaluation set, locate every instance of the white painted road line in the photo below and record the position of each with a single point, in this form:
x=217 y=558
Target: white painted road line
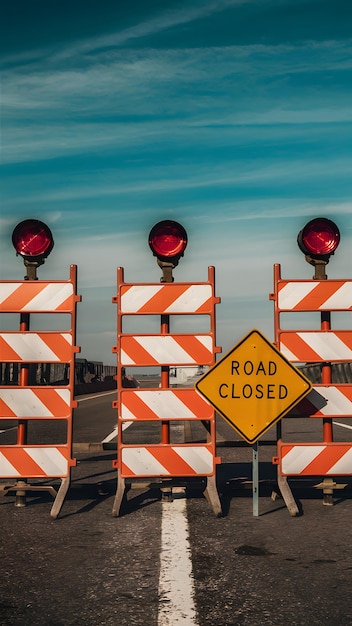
x=7 y=430
x=113 y=433
x=343 y=425
x=176 y=582
x=111 y=436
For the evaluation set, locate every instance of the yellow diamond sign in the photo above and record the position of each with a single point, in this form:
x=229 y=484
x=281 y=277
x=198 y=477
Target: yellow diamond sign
x=253 y=386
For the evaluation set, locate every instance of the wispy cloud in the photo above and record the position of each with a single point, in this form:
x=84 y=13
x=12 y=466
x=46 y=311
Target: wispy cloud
x=242 y=142
x=117 y=101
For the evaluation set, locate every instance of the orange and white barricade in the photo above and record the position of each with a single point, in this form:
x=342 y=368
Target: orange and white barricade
x=326 y=400
x=41 y=411
x=164 y=460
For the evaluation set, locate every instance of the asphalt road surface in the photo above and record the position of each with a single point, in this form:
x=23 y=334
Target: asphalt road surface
x=166 y=563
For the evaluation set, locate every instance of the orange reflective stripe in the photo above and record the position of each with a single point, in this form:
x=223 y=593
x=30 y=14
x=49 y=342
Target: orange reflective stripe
x=5 y=411
x=173 y=462
x=316 y=298
x=136 y=352
x=298 y=347
x=137 y=407
x=20 y=297
x=66 y=305
x=195 y=348
x=163 y=299
x=7 y=353
x=53 y=401
x=60 y=344
x=325 y=460
x=196 y=404
x=23 y=463
x=164 y=404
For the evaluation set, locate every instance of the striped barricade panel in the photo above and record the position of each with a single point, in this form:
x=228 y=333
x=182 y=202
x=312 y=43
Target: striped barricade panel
x=315 y=459
x=35 y=403
x=35 y=461
x=167 y=298
x=313 y=346
x=36 y=296
x=329 y=400
x=164 y=404
x=36 y=347
x=167 y=460
x=150 y=350
x=325 y=401
x=24 y=403
x=312 y=295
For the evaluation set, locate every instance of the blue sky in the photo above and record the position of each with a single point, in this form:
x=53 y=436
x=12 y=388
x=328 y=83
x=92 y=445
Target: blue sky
x=232 y=117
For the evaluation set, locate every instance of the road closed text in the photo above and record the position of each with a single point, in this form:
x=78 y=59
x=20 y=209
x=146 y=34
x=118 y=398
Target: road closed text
x=254 y=380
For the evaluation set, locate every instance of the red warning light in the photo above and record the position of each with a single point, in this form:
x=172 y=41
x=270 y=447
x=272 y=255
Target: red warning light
x=168 y=240
x=32 y=239
x=320 y=237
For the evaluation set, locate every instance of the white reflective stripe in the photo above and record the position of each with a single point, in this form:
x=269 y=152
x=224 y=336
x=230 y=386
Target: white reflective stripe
x=141 y=461
x=191 y=299
x=338 y=403
x=299 y=457
x=50 y=297
x=287 y=353
x=343 y=465
x=126 y=359
x=343 y=425
x=29 y=347
x=198 y=458
x=6 y=289
x=292 y=293
x=164 y=349
x=165 y=404
x=341 y=299
x=126 y=413
x=24 y=403
x=206 y=340
x=6 y=468
x=65 y=394
x=137 y=296
x=50 y=460
x=327 y=345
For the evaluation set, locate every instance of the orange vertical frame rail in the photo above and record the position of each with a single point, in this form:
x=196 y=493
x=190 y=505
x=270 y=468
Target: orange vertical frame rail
x=26 y=403
x=165 y=460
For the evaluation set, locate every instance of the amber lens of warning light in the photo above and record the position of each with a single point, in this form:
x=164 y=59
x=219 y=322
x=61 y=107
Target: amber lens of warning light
x=320 y=237
x=32 y=239
x=168 y=240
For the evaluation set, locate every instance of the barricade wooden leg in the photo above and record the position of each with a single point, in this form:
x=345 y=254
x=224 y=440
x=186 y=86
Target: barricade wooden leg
x=287 y=495
x=120 y=492
x=60 y=497
x=212 y=496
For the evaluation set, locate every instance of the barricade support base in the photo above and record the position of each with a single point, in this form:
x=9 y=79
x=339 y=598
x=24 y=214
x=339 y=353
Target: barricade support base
x=120 y=492
x=287 y=495
x=21 y=488
x=166 y=488
x=24 y=486
x=328 y=485
x=212 y=496
x=61 y=495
